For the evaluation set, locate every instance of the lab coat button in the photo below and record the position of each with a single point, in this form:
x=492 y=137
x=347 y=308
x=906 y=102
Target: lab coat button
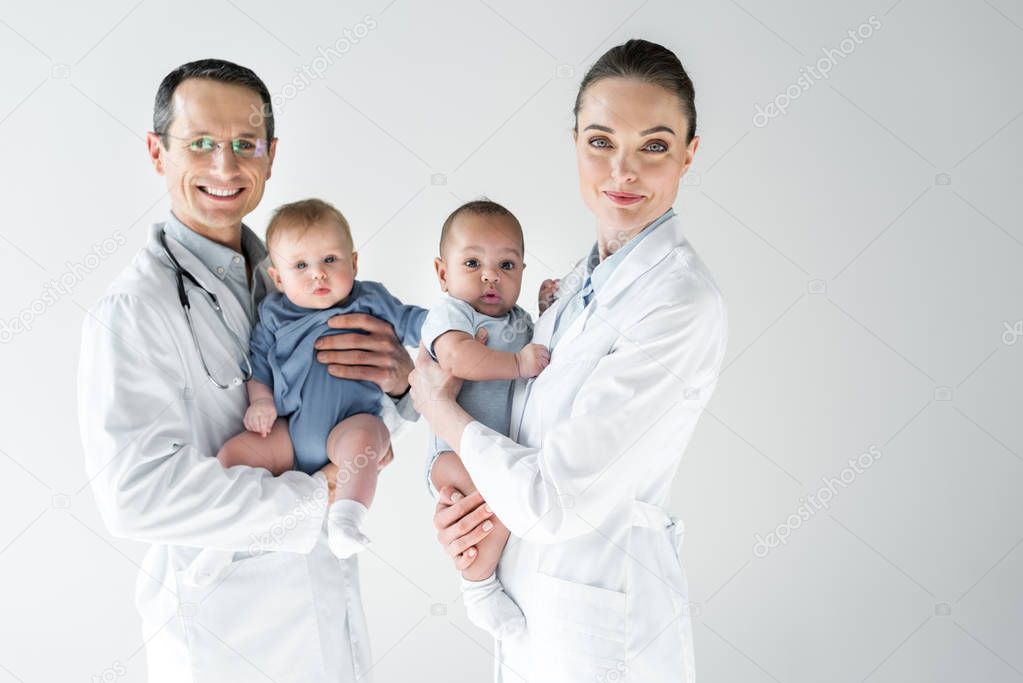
x=220 y=270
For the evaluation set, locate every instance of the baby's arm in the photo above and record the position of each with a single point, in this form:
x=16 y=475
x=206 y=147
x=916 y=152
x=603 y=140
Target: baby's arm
x=464 y=356
x=262 y=412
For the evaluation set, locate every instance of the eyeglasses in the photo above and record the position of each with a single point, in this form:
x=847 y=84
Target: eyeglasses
x=204 y=145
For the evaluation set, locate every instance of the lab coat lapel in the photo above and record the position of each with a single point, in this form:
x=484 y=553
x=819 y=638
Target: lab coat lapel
x=542 y=333
x=654 y=248
x=233 y=311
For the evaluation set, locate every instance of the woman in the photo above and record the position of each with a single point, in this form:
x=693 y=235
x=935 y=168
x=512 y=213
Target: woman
x=637 y=334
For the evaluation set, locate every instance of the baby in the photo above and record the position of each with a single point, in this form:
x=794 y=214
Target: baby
x=314 y=266
x=480 y=272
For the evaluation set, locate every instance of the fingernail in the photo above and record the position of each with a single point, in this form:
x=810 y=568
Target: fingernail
x=456 y=496
x=487 y=526
x=487 y=508
x=471 y=552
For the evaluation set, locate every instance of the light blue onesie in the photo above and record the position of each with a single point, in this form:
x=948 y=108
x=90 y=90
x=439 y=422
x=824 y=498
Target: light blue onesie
x=312 y=399
x=488 y=402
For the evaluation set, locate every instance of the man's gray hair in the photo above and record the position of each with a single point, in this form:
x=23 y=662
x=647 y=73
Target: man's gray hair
x=214 y=70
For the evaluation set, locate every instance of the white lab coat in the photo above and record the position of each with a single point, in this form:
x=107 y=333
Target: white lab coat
x=583 y=480
x=285 y=608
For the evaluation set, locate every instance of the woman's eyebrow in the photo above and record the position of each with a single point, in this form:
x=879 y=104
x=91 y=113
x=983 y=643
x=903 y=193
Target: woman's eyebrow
x=648 y=131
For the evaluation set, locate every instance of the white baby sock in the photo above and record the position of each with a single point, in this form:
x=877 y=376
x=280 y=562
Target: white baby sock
x=344 y=528
x=490 y=608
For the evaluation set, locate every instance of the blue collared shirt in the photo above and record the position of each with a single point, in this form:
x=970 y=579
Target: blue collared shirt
x=598 y=274
x=224 y=262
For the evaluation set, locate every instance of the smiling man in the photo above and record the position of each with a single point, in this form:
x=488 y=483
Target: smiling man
x=161 y=388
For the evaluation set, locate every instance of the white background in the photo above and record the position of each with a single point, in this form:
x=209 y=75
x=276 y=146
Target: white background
x=868 y=243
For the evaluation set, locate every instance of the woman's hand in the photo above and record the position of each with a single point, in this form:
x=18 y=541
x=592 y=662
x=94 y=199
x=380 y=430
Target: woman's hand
x=461 y=522
x=431 y=384
x=377 y=357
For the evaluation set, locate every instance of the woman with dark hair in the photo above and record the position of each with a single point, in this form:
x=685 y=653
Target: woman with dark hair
x=637 y=334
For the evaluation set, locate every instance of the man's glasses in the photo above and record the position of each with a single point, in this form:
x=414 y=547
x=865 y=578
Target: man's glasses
x=204 y=145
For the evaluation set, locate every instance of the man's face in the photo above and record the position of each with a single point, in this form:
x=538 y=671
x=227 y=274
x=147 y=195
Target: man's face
x=212 y=191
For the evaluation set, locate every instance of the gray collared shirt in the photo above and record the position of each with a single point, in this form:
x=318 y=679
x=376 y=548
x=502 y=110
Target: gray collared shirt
x=224 y=262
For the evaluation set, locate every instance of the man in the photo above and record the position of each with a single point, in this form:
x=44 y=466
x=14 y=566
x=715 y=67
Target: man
x=161 y=388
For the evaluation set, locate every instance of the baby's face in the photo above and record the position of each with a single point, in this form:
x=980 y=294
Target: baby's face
x=315 y=268
x=482 y=263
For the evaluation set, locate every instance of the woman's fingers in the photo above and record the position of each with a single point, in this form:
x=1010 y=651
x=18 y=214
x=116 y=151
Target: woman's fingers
x=466 y=525
x=447 y=516
x=466 y=541
x=463 y=561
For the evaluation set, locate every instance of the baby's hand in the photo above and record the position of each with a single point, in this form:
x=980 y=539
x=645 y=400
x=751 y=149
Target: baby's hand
x=548 y=288
x=532 y=359
x=260 y=416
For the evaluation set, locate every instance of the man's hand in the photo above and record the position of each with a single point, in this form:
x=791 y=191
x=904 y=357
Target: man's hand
x=330 y=471
x=376 y=357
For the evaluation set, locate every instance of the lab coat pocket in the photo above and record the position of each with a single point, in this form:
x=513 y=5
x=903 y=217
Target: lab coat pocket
x=255 y=620
x=577 y=631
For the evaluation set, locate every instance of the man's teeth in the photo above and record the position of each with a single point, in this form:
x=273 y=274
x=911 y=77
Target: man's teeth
x=221 y=193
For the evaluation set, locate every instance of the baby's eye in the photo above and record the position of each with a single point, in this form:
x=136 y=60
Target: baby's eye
x=508 y=265
x=656 y=146
x=471 y=263
x=330 y=259
x=599 y=143
x=300 y=265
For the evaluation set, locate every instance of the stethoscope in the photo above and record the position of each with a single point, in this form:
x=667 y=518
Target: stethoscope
x=181 y=275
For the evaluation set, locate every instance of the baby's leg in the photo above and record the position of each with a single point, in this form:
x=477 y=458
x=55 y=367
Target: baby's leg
x=273 y=452
x=448 y=470
x=486 y=603
x=356 y=446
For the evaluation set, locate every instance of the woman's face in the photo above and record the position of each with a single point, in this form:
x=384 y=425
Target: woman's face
x=631 y=150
